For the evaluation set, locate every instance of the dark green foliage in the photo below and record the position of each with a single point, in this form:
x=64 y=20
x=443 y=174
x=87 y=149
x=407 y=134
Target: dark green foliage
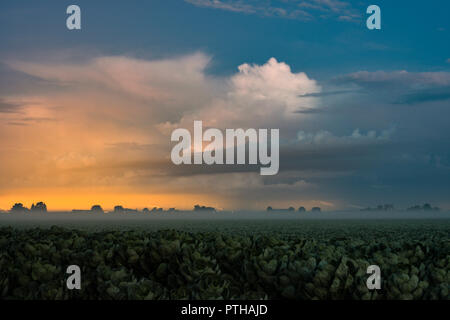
x=224 y=265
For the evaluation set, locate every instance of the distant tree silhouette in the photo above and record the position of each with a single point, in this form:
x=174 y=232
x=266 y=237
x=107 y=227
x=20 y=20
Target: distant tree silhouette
x=316 y=209
x=118 y=209
x=18 y=207
x=385 y=207
x=39 y=207
x=291 y=209
x=301 y=209
x=96 y=209
x=203 y=208
x=269 y=208
x=425 y=207
x=145 y=210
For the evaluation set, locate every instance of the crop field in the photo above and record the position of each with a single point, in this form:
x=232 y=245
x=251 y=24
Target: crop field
x=230 y=259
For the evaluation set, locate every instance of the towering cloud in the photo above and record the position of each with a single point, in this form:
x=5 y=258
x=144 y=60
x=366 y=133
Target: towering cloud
x=105 y=123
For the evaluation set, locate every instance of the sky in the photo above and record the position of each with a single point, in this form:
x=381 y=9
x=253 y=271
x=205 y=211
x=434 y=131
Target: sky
x=86 y=115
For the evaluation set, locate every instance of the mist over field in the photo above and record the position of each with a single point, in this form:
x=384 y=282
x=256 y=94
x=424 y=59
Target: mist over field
x=208 y=220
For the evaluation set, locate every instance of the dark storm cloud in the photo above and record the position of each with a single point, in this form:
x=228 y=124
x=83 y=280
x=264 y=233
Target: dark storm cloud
x=420 y=96
x=327 y=93
x=395 y=78
x=294 y=158
x=345 y=158
x=311 y=110
x=400 y=87
x=323 y=159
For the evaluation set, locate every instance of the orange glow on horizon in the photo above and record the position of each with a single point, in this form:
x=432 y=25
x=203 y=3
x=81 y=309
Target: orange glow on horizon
x=58 y=201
